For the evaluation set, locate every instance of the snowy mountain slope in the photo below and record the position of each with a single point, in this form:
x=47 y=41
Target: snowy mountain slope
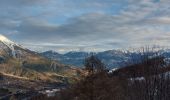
x=9 y=49
x=8 y=44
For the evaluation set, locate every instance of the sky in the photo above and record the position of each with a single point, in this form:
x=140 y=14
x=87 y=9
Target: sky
x=85 y=25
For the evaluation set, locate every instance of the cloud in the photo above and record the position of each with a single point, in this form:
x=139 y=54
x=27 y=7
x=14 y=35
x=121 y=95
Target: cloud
x=21 y=2
x=159 y=20
x=88 y=24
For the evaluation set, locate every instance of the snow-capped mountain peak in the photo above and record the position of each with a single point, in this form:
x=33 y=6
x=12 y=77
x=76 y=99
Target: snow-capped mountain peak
x=10 y=44
x=5 y=39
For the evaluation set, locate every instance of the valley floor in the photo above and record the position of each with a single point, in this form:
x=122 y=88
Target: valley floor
x=18 y=88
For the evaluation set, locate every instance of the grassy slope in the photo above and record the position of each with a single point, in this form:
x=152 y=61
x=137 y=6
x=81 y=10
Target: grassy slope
x=31 y=65
x=38 y=68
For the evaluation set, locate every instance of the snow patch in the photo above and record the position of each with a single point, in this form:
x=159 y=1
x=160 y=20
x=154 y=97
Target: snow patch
x=112 y=70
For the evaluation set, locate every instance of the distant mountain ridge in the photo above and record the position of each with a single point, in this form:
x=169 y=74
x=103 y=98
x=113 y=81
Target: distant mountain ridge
x=111 y=58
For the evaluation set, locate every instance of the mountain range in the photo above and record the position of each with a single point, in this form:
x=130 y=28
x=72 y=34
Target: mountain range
x=15 y=60
x=111 y=58
x=18 y=61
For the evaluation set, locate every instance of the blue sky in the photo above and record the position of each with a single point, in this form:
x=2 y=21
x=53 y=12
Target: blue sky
x=86 y=25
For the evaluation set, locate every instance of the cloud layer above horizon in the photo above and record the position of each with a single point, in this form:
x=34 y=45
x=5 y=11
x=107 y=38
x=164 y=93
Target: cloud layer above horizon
x=85 y=25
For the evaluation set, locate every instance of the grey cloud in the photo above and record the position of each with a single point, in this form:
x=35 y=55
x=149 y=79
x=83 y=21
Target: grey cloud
x=159 y=21
x=20 y=2
x=93 y=28
x=138 y=23
x=77 y=28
